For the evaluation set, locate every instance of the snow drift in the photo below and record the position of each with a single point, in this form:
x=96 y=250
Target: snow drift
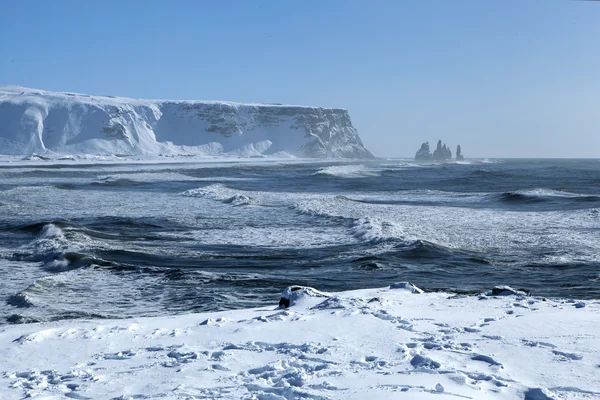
x=35 y=121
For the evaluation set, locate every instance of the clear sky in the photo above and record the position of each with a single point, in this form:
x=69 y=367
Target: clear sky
x=504 y=78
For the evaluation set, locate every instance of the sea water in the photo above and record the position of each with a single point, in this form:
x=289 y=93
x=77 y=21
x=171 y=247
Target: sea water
x=123 y=240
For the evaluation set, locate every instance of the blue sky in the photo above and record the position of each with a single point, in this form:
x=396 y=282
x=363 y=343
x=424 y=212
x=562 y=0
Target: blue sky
x=509 y=78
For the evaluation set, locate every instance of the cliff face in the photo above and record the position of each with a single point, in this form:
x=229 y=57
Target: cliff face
x=37 y=121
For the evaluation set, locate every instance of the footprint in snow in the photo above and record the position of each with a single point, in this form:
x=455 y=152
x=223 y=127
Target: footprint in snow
x=535 y=343
x=121 y=355
x=487 y=359
x=563 y=356
x=538 y=394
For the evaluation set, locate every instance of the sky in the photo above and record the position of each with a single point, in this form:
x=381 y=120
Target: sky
x=509 y=78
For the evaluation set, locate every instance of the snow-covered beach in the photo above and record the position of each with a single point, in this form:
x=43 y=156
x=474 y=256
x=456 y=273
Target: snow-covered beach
x=390 y=343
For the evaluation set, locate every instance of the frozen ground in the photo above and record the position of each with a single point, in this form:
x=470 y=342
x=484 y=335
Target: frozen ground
x=387 y=343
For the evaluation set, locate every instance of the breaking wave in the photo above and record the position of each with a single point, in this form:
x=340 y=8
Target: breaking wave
x=376 y=230
x=368 y=229
x=116 y=182
x=56 y=252
x=20 y=300
x=347 y=171
x=543 y=195
x=221 y=193
x=144 y=177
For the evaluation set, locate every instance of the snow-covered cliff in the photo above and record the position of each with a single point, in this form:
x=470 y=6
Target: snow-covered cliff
x=36 y=121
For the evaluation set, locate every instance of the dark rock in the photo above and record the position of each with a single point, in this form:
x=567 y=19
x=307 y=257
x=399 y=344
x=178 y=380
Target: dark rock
x=459 y=156
x=406 y=286
x=424 y=154
x=293 y=294
x=506 y=291
x=442 y=152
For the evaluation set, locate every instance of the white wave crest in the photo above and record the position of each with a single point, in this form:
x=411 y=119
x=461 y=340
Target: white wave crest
x=322 y=207
x=55 y=250
x=368 y=229
x=376 y=230
x=540 y=192
x=347 y=171
x=52 y=232
x=158 y=176
x=220 y=193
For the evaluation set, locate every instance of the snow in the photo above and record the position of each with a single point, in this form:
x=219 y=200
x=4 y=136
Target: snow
x=388 y=343
x=50 y=125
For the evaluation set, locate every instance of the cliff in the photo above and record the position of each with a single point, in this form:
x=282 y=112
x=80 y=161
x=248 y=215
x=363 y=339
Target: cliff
x=35 y=121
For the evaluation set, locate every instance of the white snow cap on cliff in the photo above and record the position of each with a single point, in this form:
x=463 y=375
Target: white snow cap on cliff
x=37 y=121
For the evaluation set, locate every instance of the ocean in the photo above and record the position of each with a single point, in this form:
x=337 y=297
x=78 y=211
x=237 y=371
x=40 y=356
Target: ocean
x=124 y=240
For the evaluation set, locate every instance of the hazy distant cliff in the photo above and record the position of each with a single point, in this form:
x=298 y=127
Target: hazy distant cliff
x=37 y=121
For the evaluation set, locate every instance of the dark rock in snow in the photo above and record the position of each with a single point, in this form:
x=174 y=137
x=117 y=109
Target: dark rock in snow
x=292 y=294
x=506 y=291
x=406 y=286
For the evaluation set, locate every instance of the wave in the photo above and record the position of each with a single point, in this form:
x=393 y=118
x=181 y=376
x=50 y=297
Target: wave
x=347 y=171
x=484 y=172
x=367 y=229
x=56 y=252
x=327 y=206
x=221 y=193
x=110 y=222
x=29 y=319
x=145 y=177
x=542 y=195
x=117 y=183
x=375 y=231
x=20 y=300
x=38 y=227
x=424 y=249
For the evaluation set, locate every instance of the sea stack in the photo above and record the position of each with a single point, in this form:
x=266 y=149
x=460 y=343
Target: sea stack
x=442 y=152
x=423 y=154
x=459 y=156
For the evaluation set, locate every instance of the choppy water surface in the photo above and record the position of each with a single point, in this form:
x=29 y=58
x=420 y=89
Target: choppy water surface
x=128 y=240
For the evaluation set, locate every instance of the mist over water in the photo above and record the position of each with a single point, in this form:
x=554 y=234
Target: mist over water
x=127 y=240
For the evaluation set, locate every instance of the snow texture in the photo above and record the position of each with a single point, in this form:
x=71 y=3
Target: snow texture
x=373 y=343
x=40 y=123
